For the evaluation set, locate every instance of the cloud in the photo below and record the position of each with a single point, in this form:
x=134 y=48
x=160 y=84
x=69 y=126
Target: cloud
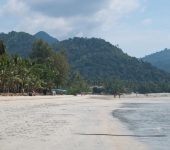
x=115 y=10
x=14 y=8
x=91 y=18
x=146 y=22
x=68 y=18
x=113 y=20
x=65 y=8
x=58 y=27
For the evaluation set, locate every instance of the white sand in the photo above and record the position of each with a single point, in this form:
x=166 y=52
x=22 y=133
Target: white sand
x=64 y=123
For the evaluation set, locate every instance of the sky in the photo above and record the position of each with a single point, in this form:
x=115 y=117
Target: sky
x=139 y=27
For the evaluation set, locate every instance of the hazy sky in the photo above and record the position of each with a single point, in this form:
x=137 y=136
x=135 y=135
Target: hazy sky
x=139 y=27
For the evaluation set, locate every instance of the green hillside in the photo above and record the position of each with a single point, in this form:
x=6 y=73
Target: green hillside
x=18 y=43
x=159 y=59
x=95 y=59
x=45 y=37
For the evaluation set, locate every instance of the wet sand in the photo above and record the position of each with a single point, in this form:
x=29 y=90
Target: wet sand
x=64 y=123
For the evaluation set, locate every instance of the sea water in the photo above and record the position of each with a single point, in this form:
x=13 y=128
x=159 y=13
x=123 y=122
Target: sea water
x=149 y=123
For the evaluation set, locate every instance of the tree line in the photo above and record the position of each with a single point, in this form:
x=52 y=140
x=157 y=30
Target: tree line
x=47 y=69
x=114 y=85
x=44 y=70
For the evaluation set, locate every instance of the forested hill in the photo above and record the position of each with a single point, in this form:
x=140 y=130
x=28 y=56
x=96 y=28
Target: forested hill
x=93 y=58
x=45 y=37
x=18 y=42
x=160 y=59
x=96 y=58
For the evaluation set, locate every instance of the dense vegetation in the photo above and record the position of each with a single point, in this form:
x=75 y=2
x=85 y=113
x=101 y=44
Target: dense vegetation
x=93 y=58
x=2 y=47
x=98 y=59
x=77 y=64
x=45 y=37
x=45 y=70
x=159 y=59
x=19 y=43
x=113 y=85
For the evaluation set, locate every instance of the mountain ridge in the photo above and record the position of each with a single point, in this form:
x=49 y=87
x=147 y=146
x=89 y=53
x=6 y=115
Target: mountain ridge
x=95 y=58
x=18 y=42
x=159 y=59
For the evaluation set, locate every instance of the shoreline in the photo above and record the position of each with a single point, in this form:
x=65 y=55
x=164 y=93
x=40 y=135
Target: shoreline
x=64 y=122
x=124 y=95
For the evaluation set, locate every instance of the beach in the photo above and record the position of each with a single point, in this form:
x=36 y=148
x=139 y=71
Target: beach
x=66 y=123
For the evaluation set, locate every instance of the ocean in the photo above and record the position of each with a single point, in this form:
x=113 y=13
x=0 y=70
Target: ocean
x=149 y=122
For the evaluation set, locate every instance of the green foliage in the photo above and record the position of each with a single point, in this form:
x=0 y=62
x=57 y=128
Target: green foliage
x=57 y=62
x=60 y=68
x=97 y=59
x=159 y=59
x=99 y=62
x=45 y=74
x=110 y=85
x=150 y=87
x=41 y=51
x=19 y=74
x=93 y=58
x=2 y=47
x=76 y=84
x=114 y=85
x=19 y=43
